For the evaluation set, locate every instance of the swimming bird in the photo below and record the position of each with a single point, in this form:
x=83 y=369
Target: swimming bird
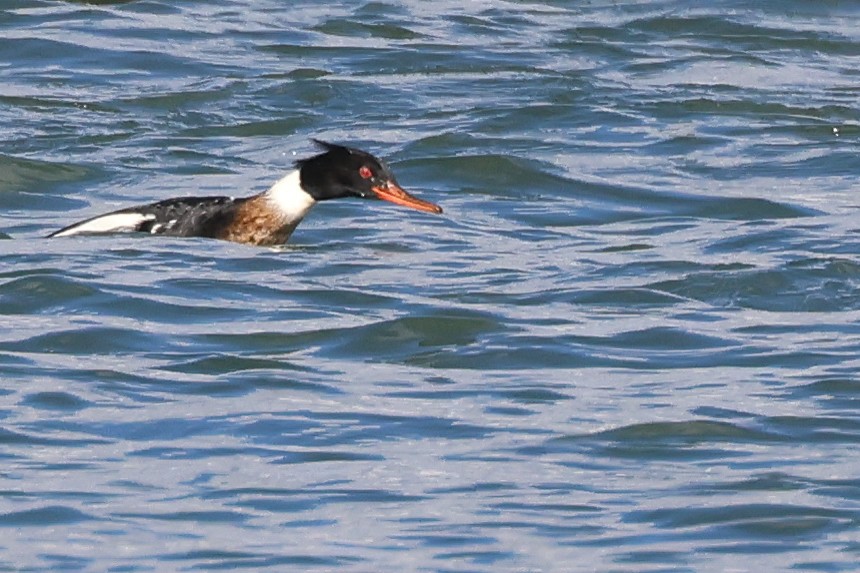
x=270 y=217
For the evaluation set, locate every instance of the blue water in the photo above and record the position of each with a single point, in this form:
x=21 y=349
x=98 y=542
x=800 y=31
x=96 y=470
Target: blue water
x=630 y=343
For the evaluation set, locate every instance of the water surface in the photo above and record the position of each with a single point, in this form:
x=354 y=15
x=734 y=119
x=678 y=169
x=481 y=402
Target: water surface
x=629 y=344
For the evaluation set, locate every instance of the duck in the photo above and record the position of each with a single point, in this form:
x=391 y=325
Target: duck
x=268 y=218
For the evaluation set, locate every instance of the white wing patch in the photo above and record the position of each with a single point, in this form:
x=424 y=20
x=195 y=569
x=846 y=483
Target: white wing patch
x=113 y=223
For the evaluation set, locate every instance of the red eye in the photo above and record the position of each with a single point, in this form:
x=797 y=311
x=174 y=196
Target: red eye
x=365 y=172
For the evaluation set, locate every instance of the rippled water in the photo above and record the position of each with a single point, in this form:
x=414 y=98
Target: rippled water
x=629 y=344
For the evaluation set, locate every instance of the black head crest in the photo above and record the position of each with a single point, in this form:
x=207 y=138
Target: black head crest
x=327 y=148
x=330 y=146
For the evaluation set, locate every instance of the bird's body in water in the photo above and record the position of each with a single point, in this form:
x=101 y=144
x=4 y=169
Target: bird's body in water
x=268 y=218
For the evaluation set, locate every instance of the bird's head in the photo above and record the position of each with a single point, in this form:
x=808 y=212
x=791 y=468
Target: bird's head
x=341 y=171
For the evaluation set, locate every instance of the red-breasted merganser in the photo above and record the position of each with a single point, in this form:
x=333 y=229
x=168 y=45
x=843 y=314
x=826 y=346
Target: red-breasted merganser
x=268 y=218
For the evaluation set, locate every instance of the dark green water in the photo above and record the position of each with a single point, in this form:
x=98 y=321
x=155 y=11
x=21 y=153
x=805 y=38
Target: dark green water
x=630 y=343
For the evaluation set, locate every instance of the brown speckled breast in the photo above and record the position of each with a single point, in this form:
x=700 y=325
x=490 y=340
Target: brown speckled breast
x=256 y=223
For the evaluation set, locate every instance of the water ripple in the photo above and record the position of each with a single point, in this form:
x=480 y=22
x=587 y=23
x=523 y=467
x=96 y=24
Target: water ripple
x=629 y=344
